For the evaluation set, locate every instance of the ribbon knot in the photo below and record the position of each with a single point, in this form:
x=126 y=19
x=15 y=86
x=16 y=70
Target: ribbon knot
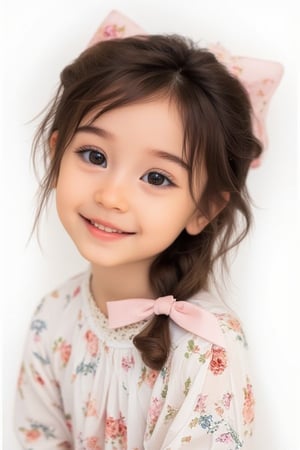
x=187 y=315
x=163 y=305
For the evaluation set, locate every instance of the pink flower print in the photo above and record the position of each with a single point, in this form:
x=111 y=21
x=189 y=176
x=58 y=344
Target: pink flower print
x=64 y=350
x=116 y=429
x=219 y=410
x=151 y=377
x=111 y=428
x=32 y=435
x=113 y=31
x=234 y=324
x=201 y=403
x=92 y=343
x=90 y=409
x=153 y=414
x=92 y=443
x=76 y=291
x=148 y=376
x=227 y=400
x=225 y=438
x=122 y=429
x=249 y=402
x=110 y=31
x=127 y=362
x=155 y=409
x=218 y=361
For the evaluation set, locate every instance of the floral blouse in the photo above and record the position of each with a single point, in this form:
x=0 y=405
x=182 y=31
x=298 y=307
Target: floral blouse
x=84 y=386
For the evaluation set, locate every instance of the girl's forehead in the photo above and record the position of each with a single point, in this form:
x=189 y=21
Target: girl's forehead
x=161 y=114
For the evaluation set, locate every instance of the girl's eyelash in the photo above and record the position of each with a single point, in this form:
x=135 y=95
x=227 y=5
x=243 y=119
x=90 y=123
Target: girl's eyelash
x=89 y=150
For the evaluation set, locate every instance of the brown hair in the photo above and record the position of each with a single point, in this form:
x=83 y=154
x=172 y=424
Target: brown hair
x=216 y=117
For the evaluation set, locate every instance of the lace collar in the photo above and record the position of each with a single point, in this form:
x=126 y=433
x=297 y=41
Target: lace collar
x=125 y=333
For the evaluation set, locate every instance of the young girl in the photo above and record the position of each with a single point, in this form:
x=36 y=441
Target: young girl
x=147 y=143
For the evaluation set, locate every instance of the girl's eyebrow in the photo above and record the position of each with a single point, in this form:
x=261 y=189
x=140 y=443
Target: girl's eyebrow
x=170 y=157
x=95 y=130
x=108 y=135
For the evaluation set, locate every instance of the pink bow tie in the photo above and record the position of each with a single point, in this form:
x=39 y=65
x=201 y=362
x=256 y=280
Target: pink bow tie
x=187 y=315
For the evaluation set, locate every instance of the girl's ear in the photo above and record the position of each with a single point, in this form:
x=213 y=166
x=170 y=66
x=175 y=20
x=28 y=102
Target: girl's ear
x=198 y=221
x=196 y=224
x=52 y=143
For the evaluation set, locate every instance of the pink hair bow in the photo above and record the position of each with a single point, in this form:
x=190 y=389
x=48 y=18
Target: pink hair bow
x=187 y=315
x=259 y=77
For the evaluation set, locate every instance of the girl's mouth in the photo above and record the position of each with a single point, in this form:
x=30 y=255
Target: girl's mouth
x=106 y=229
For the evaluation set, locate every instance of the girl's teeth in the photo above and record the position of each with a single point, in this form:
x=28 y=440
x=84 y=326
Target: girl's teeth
x=103 y=228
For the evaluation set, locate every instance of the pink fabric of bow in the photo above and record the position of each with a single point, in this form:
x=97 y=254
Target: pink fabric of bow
x=187 y=315
x=259 y=77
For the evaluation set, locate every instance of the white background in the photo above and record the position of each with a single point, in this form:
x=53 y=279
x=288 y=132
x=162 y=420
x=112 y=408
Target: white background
x=40 y=38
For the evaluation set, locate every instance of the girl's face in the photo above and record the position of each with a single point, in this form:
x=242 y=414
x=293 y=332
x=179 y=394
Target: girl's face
x=122 y=192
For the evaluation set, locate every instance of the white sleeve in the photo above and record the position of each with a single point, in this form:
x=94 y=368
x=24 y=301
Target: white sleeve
x=205 y=401
x=40 y=421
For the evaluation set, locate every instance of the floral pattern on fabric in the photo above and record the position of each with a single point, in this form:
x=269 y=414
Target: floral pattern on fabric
x=148 y=376
x=85 y=386
x=233 y=325
x=64 y=349
x=248 y=408
x=89 y=443
x=215 y=423
x=36 y=431
x=218 y=362
x=116 y=431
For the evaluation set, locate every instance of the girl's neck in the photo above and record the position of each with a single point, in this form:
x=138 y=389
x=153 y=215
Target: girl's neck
x=117 y=283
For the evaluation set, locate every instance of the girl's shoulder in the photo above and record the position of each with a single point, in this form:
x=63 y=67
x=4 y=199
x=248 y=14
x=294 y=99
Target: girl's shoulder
x=227 y=319
x=65 y=297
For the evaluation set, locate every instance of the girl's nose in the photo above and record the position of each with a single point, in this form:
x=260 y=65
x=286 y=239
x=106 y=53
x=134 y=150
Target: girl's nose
x=112 y=195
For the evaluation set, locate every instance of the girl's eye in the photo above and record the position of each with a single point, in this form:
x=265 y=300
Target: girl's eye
x=93 y=157
x=157 y=179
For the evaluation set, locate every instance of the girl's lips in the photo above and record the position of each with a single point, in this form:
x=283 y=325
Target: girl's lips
x=106 y=227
